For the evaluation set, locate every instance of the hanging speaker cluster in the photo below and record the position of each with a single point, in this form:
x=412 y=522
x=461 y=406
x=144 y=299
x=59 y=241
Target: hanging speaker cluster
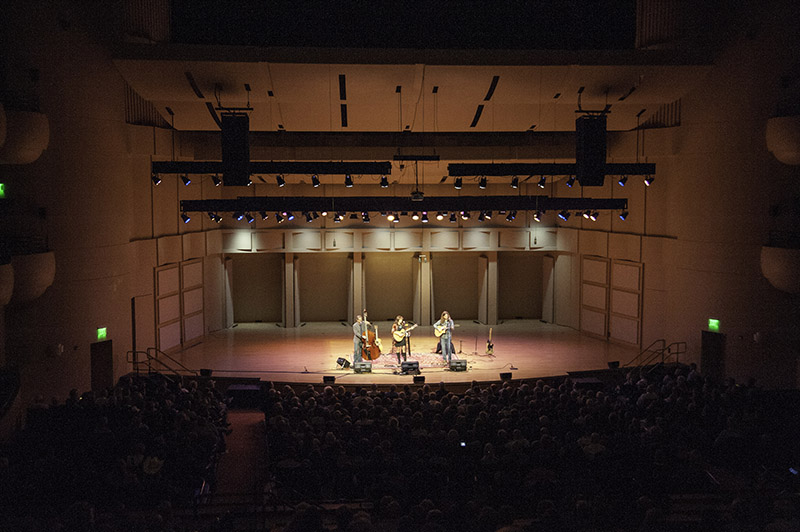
x=235 y=149
x=590 y=150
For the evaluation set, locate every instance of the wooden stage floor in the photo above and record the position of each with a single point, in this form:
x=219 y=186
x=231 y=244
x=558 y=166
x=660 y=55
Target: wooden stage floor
x=526 y=348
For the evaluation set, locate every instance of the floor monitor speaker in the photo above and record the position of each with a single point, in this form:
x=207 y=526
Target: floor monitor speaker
x=362 y=367
x=458 y=365
x=409 y=367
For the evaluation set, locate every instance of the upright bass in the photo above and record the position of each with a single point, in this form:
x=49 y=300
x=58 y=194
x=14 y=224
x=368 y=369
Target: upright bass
x=371 y=344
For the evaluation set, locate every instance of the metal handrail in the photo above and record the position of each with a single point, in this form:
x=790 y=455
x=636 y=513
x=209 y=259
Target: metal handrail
x=161 y=353
x=647 y=351
x=650 y=354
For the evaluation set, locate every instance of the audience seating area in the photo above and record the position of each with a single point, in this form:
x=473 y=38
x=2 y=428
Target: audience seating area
x=660 y=450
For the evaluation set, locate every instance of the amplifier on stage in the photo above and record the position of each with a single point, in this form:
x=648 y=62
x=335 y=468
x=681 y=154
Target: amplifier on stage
x=458 y=365
x=362 y=367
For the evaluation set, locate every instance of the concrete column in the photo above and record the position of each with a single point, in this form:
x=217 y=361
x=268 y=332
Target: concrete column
x=288 y=290
x=358 y=297
x=491 y=285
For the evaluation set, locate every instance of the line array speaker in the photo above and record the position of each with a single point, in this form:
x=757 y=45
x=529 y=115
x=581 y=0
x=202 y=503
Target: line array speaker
x=235 y=149
x=590 y=150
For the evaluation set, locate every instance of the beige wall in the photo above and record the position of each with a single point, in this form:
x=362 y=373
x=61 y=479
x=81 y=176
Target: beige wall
x=455 y=285
x=257 y=287
x=323 y=284
x=389 y=279
x=519 y=290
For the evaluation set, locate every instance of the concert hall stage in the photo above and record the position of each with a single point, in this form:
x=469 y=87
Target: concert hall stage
x=526 y=348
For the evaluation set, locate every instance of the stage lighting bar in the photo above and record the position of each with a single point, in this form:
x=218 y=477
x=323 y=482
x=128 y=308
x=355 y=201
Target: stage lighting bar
x=276 y=167
x=395 y=204
x=512 y=169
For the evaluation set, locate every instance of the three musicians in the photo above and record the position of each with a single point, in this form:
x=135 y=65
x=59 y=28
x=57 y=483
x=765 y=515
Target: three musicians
x=401 y=333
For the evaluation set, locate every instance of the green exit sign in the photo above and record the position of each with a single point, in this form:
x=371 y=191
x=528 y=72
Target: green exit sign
x=102 y=334
x=2 y=190
x=713 y=325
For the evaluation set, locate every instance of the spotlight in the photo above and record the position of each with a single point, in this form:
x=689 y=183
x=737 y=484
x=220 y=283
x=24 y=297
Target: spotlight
x=623 y=215
x=217 y=181
x=249 y=181
x=481 y=217
x=278 y=218
x=415 y=216
x=324 y=213
x=593 y=216
x=315 y=215
x=457 y=183
x=308 y=216
x=586 y=214
x=155 y=179
x=465 y=215
x=249 y=217
x=542 y=182
x=623 y=180
x=348 y=181
x=564 y=215
x=440 y=216
x=384 y=182
x=453 y=217
x=649 y=180
x=263 y=215
x=217 y=218
x=212 y=216
x=238 y=215
x=280 y=180
x=537 y=216
x=488 y=215
x=185 y=179
x=390 y=216
x=424 y=217
x=365 y=217
x=336 y=219
x=289 y=215
x=396 y=218
x=515 y=182
x=482 y=183
x=511 y=216
x=315 y=180
x=185 y=217
x=571 y=181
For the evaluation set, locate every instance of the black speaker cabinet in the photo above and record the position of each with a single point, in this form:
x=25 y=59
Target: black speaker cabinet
x=409 y=367
x=343 y=362
x=590 y=150
x=505 y=376
x=362 y=367
x=235 y=149
x=419 y=379
x=328 y=379
x=458 y=365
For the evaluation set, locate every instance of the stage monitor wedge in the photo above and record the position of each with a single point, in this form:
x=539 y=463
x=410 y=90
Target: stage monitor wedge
x=235 y=149
x=362 y=367
x=590 y=150
x=458 y=365
x=409 y=367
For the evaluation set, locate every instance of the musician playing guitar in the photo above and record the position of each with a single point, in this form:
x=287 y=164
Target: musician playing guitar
x=444 y=330
x=401 y=340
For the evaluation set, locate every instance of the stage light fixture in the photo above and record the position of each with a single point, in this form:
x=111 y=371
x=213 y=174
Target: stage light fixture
x=390 y=216
x=289 y=215
x=185 y=179
x=156 y=179
x=571 y=181
x=457 y=183
x=336 y=219
x=263 y=215
x=564 y=215
x=623 y=180
x=249 y=217
x=515 y=182
x=537 y=216
x=212 y=216
x=217 y=181
x=623 y=215
x=511 y=215
x=280 y=180
x=482 y=182
x=488 y=215
x=424 y=217
x=542 y=182
x=315 y=215
x=365 y=217
x=348 y=181
x=415 y=216
x=324 y=213
x=593 y=216
x=249 y=181
x=384 y=182
x=238 y=216
x=217 y=218
x=440 y=216
x=586 y=214
x=465 y=215
x=185 y=217
x=315 y=181
x=308 y=216
x=649 y=180
x=396 y=218
x=278 y=217
x=481 y=217
x=452 y=217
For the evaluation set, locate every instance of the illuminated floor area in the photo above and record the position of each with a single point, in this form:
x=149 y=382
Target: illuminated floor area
x=527 y=348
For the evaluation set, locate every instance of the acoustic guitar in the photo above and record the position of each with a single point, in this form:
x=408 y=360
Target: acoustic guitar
x=439 y=330
x=399 y=334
